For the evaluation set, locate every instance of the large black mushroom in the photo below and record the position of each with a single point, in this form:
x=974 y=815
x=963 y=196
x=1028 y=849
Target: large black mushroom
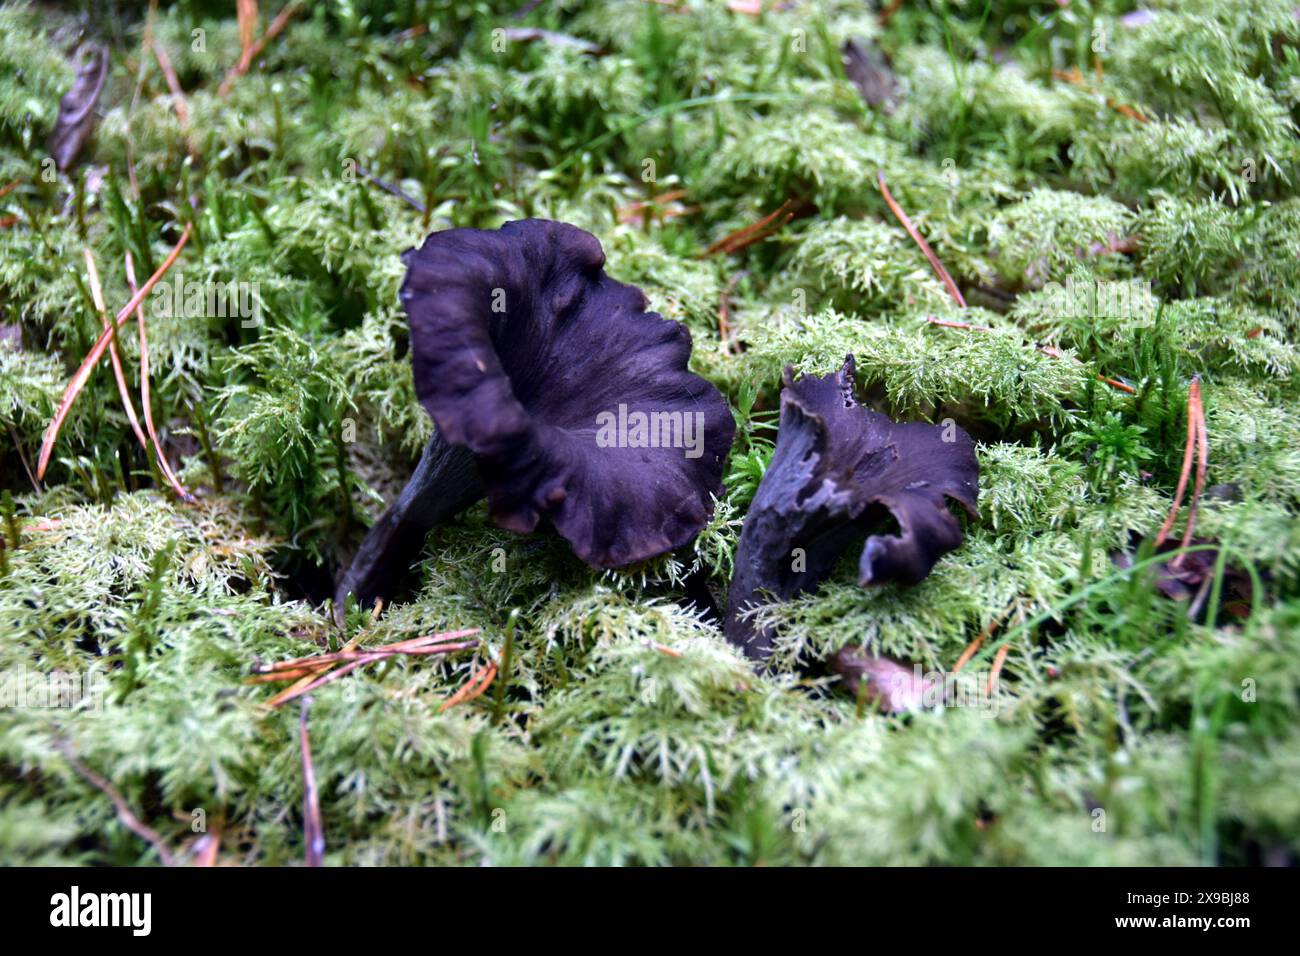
x=840 y=471
x=555 y=394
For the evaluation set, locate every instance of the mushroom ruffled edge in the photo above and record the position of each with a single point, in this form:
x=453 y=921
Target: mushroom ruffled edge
x=839 y=471
x=526 y=352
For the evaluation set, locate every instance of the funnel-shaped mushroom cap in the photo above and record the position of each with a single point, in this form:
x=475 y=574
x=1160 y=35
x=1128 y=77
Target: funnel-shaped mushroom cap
x=839 y=471
x=576 y=402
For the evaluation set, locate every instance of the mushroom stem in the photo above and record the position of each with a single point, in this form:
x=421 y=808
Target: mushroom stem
x=444 y=483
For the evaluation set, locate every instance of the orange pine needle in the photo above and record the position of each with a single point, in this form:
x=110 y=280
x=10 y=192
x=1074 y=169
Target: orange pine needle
x=935 y=320
x=995 y=671
x=246 y=18
x=973 y=647
x=479 y=681
x=6 y=190
x=123 y=391
x=82 y=375
x=747 y=236
x=1202 y=465
x=1189 y=450
x=251 y=53
x=145 y=398
x=935 y=264
x=1075 y=78
x=179 y=102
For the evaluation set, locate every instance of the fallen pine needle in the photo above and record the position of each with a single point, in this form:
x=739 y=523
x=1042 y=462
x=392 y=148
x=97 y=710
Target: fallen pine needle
x=934 y=320
x=1189 y=453
x=309 y=673
x=115 y=358
x=313 y=833
x=919 y=239
x=251 y=53
x=1197 y=449
x=129 y=819
x=173 y=83
x=747 y=236
x=1074 y=77
x=973 y=647
x=82 y=375
x=1202 y=466
x=995 y=671
x=145 y=398
x=479 y=681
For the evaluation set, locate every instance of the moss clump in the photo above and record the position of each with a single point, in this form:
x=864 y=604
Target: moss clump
x=1143 y=168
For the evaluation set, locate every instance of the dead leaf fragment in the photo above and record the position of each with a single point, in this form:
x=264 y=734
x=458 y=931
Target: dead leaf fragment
x=77 y=108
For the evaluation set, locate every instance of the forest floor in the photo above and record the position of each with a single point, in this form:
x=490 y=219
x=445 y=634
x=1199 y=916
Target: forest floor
x=1111 y=190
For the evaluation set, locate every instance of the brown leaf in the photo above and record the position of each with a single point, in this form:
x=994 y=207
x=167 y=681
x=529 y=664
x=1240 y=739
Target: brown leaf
x=893 y=687
x=868 y=70
x=77 y=108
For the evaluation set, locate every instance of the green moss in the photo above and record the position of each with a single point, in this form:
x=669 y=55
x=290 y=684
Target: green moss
x=627 y=731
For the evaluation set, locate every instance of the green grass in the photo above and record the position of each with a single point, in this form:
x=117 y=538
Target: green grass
x=623 y=728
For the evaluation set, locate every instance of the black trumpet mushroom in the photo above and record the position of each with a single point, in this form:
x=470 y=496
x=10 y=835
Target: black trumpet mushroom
x=840 y=471
x=555 y=394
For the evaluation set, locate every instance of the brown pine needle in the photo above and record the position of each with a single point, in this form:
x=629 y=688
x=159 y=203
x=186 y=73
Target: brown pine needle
x=995 y=671
x=1075 y=78
x=123 y=391
x=309 y=673
x=82 y=375
x=973 y=647
x=934 y=320
x=1189 y=451
x=6 y=190
x=349 y=654
x=145 y=398
x=246 y=18
x=747 y=236
x=935 y=264
x=128 y=818
x=1202 y=465
x=313 y=832
x=251 y=53
x=179 y=103
x=479 y=681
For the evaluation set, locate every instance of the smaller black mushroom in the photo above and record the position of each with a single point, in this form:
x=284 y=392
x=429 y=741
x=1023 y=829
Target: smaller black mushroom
x=555 y=394
x=840 y=471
